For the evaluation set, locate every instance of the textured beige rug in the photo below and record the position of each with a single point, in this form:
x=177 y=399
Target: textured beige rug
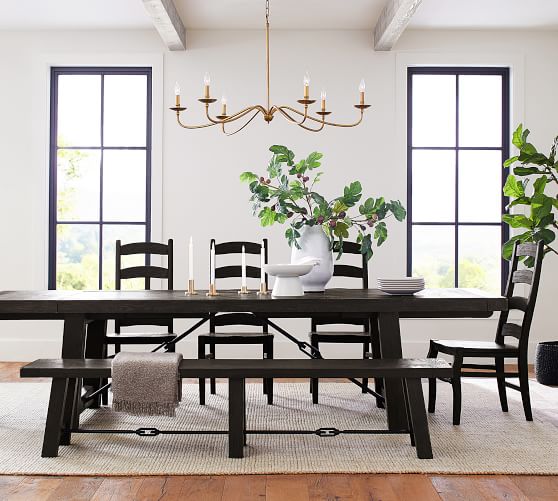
x=488 y=441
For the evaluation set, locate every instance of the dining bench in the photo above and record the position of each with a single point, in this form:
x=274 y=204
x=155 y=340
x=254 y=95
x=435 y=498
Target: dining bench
x=63 y=418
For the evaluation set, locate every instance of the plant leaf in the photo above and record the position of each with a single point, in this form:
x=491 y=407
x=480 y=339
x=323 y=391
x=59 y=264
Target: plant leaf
x=248 y=177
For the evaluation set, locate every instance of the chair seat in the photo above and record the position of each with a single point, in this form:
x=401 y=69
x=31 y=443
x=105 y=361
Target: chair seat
x=451 y=346
x=139 y=337
x=235 y=337
x=341 y=336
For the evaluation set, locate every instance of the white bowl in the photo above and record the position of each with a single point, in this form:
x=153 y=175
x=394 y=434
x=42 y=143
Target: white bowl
x=287 y=270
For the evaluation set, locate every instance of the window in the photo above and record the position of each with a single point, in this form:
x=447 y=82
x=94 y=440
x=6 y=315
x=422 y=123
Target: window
x=457 y=141
x=100 y=171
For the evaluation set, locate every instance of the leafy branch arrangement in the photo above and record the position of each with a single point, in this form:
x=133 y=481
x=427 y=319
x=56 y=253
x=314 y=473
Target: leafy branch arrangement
x=287 y=194
x=540 y=223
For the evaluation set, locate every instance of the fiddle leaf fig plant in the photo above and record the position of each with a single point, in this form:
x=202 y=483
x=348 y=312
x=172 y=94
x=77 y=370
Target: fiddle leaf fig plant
x=287 y=194
x=539 y=200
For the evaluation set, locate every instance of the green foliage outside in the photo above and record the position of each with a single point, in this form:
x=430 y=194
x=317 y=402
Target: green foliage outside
x=538 y=223
x=287 y=194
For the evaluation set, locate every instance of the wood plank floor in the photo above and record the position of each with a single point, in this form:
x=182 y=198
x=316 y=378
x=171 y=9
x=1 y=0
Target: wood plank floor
x=320 y=487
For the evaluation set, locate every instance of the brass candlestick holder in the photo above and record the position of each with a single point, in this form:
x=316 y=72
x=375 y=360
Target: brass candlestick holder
x=263 y=290
x=212 y=290
x=244 y=290
x=191 y=288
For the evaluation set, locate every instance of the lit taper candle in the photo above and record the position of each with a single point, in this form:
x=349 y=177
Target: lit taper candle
x=243 y=284
x=262 y=263
x=206 y=83
x=306 y=82
x=323 y=96
x=361 y=89
x=212 y=265
x=223 y=105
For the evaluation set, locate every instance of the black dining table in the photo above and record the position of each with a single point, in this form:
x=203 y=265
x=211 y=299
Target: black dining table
x=85 y=315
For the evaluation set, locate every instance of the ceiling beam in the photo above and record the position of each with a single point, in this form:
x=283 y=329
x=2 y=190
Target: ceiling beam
x=392 y=22
x=167 y=21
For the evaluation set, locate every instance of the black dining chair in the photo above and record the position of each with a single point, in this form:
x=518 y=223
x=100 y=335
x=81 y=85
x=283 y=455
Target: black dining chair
x=368 y=336
x=145 y=272
x=214 y=338
x=502 y=348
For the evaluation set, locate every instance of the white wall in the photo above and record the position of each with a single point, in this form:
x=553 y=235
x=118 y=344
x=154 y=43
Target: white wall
x=201 y=194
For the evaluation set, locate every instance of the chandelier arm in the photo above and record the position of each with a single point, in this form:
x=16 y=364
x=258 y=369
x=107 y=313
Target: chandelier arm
x=236 y=116
x=192 y=126
x=325 y=122
x=300 y=124
x=242 y=127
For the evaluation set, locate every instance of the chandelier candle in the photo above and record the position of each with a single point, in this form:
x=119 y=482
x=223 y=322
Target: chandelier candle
x=361 y=89
x=323 y=96
x=177 y=94
x=301 y=116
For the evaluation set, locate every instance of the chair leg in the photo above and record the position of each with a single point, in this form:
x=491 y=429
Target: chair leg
x=432 y=353
x=171 y=348
x=376 y=353
x=365 y=349
x=524 y=385
x=456 y=386
x=501 y=384
x=212 y=389
x=265 y=356
x=201 y=381
x=116 y=348
x=103 y=382
x=268 y=383
x=315 y=382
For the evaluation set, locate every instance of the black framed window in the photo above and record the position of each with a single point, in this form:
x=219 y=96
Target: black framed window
x=100 y=171
x=457 y=140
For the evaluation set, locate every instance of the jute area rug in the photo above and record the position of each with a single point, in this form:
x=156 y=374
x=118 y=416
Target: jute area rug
x=488 y=441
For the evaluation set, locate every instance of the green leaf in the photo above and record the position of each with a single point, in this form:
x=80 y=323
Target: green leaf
x=528 y=149
x=510 y=161
x=248 y=177
x=507 y=249
x=367 y=207
x=545 y=221
x=339 y=206
x=352 y=193
x=341 y=230
x=274 y=167
x=267 y=216
x=398 y=210
x=520 y=201
x=366 y=246
x=546 y=235
x=321 y=201
x=517 y=138
x=313 y=160
x=540 y=184
x=525 y=171
x=380 y=233
x=292 y=235
x=283 y=154
x=513 y=187
x=518 y=221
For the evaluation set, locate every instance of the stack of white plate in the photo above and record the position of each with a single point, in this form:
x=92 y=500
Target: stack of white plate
x=401 y=286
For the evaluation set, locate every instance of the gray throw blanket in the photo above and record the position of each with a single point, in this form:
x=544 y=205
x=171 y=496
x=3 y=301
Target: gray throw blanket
x=146 y=383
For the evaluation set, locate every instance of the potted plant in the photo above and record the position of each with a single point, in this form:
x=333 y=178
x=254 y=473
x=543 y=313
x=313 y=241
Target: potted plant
x=317 y=226
x=536 y=222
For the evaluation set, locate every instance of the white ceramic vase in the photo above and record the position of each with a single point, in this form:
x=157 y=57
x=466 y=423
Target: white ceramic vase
x=314 y=243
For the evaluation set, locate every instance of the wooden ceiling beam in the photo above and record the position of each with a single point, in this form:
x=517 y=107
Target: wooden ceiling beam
x=392 y=22
x=167 y=21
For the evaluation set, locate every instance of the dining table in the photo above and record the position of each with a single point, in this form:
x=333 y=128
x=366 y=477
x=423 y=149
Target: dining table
x=85 y=315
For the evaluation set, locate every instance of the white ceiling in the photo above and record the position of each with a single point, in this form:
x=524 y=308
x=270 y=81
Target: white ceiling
x=285 y=14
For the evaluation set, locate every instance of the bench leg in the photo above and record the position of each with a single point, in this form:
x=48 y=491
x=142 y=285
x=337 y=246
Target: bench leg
x=53 y=426
x=376 y=353
x=212 y=387
x=237 y=417
x=95 y=348
x=268 y=382
x=315 y=382
x=365 y=349
x=419 y=423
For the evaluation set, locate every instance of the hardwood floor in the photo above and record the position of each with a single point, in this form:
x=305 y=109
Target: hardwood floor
x=315 y=487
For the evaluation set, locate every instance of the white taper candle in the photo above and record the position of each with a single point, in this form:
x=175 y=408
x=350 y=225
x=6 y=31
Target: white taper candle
x=262 y=262
x=243 y=267
x=212 y=263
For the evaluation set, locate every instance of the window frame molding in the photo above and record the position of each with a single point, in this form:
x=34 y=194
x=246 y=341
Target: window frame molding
x=505 y=72
x=40 y=129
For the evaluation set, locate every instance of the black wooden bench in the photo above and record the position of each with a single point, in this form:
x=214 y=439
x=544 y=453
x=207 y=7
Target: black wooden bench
x=63 y=418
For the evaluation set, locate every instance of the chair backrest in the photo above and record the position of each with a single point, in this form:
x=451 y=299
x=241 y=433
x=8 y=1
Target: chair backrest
x=147 y=272
x=235 y=271
x=348 y=271
x=530 y=277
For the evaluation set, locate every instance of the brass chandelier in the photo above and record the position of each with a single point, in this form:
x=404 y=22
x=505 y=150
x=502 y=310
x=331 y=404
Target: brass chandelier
x=295 y=116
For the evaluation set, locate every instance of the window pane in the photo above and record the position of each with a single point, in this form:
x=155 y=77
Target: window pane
x=433 y=186
x=79 y=110
x=480 y=110
x=127 y=234
x=78 y=178
x=433 y=255
x=124 y=185
x=77 y=256
x=480 y=186
x=125 y=110
x=479 y=257
x=434 y=110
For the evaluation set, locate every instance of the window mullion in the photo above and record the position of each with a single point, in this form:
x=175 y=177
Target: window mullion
x=456 y=236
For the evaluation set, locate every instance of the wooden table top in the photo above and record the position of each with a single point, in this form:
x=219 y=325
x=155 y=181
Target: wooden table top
x=57 y=304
